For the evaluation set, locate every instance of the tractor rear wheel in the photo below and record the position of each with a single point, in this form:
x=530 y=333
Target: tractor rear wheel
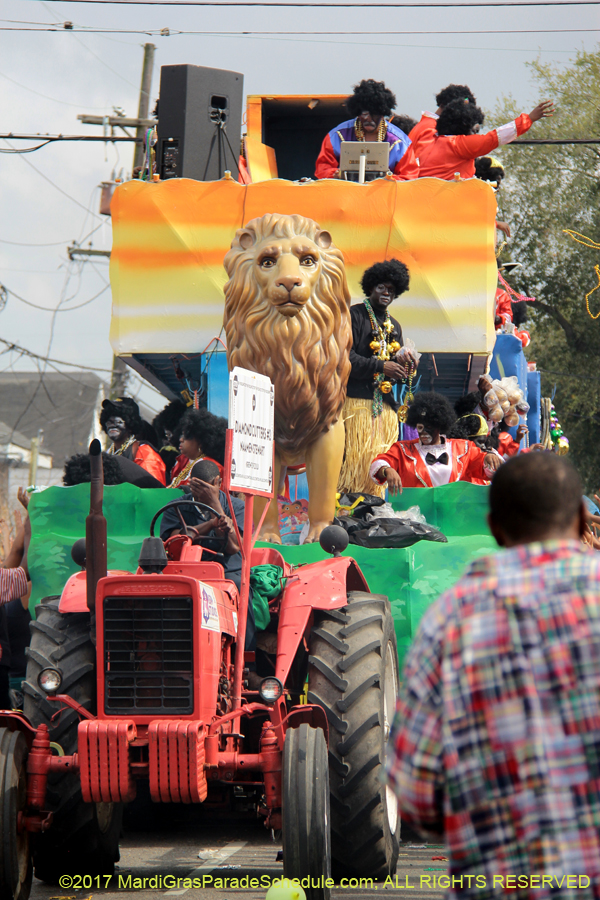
x=353 y=674
x=84 y=837
x=15 y=850
x=306 y=835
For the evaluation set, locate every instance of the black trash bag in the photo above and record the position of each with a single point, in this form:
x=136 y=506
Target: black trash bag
x=395 y=533
x=367 y=502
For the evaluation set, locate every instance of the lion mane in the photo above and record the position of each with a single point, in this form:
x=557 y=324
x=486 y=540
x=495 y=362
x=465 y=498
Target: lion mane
x=306 y=356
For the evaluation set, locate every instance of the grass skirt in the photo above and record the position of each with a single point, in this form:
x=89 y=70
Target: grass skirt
x=366 y=438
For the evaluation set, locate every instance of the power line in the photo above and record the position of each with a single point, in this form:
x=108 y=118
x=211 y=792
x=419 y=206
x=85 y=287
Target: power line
x=303 y=3
x=168 y=32
x=45 y=96
x=59 y=362
x=57 y=310
x=54 y=185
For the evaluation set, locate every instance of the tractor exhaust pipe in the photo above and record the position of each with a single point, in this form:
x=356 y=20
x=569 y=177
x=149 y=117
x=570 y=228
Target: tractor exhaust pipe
x=95 y=527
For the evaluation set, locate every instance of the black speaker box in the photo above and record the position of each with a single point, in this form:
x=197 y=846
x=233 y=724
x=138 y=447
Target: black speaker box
x=199 y=122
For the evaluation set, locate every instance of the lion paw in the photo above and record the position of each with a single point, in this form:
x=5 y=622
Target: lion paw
x=270 y=535
x=314 y=532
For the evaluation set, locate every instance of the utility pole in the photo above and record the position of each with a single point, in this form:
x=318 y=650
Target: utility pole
x=144 y=106
x=120 y=370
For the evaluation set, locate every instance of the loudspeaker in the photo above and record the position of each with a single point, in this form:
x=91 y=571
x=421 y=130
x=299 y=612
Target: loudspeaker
x=199 y=122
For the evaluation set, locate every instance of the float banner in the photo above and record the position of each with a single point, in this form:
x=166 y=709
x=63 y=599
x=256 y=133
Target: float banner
x=251 y=422
x=170 y=238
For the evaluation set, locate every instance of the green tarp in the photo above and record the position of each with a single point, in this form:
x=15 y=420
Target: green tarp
x=58 y=517
x=411 y=578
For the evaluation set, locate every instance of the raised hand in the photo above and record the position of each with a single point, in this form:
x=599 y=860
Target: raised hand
x=542 y=111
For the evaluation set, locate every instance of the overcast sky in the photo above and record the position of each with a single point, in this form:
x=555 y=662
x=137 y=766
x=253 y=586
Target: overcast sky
x=46 y=79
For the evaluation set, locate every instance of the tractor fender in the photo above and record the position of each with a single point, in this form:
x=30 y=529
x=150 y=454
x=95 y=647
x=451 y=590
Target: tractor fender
x=74 y=594
x=321 y=585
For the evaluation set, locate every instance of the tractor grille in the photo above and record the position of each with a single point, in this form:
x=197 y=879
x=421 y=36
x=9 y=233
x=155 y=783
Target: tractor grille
x=148 y=659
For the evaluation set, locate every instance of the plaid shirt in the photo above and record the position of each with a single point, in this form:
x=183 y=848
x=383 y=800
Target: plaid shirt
x=496 y=741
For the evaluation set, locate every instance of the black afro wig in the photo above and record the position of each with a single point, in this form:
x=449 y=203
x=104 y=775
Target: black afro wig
x=371 y=96
x=404 y=123
x=433 y=410
x=519 y=313
x=392 y=271
x=459 y=118
x=126 y=409
x=466 y=405
x=167 y=420
x=487 y=171
x=454 y=92
x=208 y=430
x=77 y=470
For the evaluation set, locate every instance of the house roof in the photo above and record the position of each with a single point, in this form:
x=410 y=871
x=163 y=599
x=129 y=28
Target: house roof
x=64 y=406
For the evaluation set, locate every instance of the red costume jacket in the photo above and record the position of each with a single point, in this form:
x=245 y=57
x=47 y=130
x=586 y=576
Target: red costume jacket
x=450 y=153
x=423 y=133
x=506 y=445
x=403 y=456
x=151 y=461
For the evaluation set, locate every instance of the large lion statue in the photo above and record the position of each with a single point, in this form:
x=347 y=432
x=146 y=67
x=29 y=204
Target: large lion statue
x=287 y=315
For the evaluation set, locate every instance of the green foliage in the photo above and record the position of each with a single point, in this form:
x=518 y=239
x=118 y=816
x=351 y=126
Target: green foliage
x=548 y=189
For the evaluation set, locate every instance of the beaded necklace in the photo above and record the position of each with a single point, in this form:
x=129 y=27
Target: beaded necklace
x=125 y=446
x=383 y=348
x=381 y=130
x=185 y=472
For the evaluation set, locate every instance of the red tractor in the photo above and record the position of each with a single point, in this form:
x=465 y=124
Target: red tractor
x=142 y=678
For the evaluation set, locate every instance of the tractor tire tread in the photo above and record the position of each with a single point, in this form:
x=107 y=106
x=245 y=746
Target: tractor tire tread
x=358 y=649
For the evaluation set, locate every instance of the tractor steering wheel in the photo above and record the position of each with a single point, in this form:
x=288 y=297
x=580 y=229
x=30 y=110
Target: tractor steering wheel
x=175 y=504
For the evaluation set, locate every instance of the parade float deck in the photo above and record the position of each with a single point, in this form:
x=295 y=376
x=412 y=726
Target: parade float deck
x=412 y=577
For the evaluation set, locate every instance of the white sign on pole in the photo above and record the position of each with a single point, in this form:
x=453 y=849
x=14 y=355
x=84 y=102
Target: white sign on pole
x=251 y=419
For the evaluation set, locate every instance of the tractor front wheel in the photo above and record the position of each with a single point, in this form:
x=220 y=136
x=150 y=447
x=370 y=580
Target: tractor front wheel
x=306 y=840
x=83 y=837
x=15 y=852
x=353 y=675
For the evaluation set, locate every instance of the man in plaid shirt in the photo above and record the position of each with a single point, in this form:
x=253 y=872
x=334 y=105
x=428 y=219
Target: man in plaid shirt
x=496 y=741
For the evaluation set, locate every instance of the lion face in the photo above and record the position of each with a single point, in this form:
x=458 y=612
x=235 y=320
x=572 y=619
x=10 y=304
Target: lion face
x=288 y=270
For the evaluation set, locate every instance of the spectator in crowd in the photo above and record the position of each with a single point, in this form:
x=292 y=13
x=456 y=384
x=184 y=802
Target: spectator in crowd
x=370 y=105
x=456 y=143
x=14 y=576
x=423 y=132
x=131 y=436
x=495 y=742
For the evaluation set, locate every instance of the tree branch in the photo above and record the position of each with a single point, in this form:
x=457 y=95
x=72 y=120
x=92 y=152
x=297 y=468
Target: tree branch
x=573 y=339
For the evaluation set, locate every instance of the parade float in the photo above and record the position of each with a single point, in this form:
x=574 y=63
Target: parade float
x=101 y=638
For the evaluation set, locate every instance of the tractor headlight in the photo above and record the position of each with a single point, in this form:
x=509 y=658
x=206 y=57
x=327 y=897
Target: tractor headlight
x=50 y=680
x=270 y=689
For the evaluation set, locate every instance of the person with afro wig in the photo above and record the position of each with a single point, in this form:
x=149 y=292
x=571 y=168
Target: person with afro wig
x=432 y=459
x=456 y=143
x=202 y=437
x=378 y=360
x=423 y=132
x=370 y=106
x=131 y=437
